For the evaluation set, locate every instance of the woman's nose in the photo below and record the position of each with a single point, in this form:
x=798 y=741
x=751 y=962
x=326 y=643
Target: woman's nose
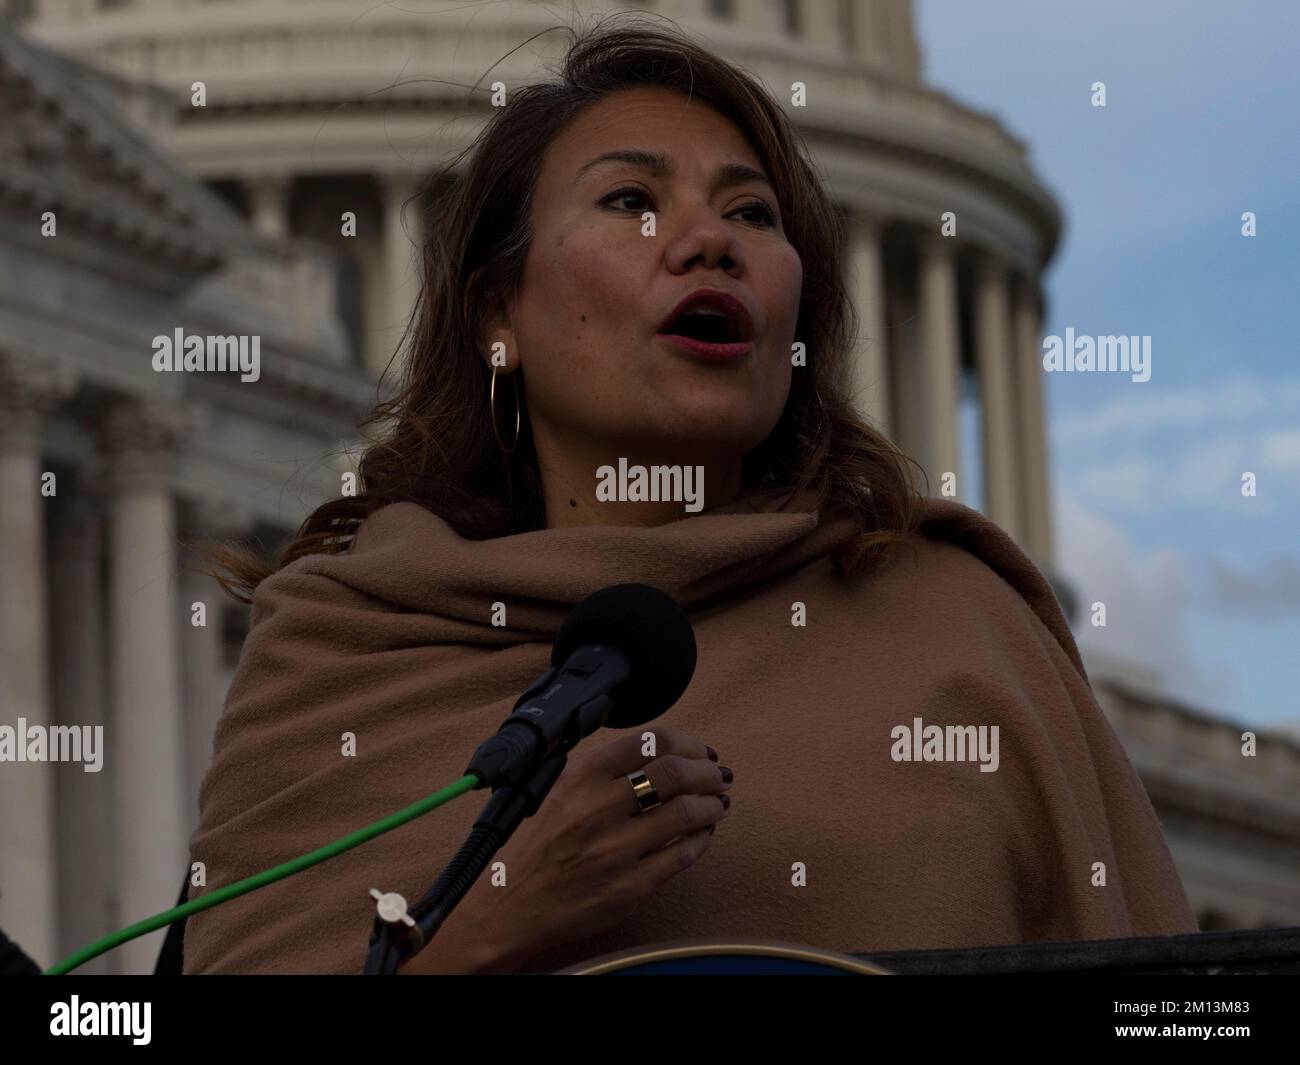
x=704 y=236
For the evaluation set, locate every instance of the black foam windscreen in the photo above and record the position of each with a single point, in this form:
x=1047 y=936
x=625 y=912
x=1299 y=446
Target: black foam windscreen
x=655 y=634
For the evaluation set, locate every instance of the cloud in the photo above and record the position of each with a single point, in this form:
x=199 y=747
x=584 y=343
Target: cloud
x=1143 y=413
x=1148 y=596
x=1124 y=484
x=1271 y=589
x=1281 y=450
x=1206 y=474
x=1149 y=452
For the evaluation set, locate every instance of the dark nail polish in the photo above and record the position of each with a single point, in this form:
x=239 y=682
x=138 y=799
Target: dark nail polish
x=713 y=755
x=727 y=774
x=726 y=801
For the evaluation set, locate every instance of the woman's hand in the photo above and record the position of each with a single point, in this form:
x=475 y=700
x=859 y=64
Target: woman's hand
x=588 y=857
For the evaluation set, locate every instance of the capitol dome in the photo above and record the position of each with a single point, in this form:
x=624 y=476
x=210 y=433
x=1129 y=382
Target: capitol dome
x=313 y=108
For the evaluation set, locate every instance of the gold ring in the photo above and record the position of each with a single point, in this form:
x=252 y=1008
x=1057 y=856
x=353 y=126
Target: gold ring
x=646 y=796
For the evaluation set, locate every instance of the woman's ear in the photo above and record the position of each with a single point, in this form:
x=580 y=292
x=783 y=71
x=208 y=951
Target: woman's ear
x=497 y=345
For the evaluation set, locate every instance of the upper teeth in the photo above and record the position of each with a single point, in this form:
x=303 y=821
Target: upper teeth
x=705 y=310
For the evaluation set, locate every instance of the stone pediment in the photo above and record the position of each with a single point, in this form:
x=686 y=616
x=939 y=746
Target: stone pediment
x=66 y=145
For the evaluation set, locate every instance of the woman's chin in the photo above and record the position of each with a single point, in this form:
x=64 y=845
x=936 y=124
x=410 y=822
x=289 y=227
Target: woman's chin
x=708 y=441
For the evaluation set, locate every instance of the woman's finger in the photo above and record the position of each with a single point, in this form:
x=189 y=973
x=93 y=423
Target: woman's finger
x=670 y=775
x=672 y=859
x=624 y=755
x=683 y=816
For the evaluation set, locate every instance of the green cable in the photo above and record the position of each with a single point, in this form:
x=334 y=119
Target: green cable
x=466 y=783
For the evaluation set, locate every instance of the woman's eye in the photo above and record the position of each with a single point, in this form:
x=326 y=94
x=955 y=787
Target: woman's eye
x=619 y=194
x=766 y=215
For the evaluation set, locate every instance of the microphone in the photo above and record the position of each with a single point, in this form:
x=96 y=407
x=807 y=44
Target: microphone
x=622 y=657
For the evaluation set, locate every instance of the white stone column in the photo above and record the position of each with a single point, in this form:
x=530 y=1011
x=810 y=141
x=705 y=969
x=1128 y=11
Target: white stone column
x=995 y=366
x=875 y=32
x=940 y=358
x=869 y=371
x=823 y=24
x=62 y=12
x=682 y=9
x=903 y=53
x=204 y=646
x=268 y=200
x=30 y=389
x=763 y=16
x=87 y=864
x=145 y=741
x=1036 y=503
x=401 y=251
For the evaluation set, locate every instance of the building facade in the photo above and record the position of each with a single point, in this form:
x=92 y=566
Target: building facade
x=309 y=111
x=198 y=156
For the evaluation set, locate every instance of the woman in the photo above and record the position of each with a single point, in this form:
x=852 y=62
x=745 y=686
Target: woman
x=398 y=629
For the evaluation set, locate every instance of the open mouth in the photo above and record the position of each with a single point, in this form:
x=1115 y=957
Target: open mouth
x=710 y=322
x=708 y=327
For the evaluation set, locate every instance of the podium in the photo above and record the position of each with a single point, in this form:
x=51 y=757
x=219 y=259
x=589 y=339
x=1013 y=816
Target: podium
x=725 y=957
x=1260 y=952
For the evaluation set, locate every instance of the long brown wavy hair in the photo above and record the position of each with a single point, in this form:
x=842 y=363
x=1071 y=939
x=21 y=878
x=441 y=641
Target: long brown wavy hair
x=439 y=448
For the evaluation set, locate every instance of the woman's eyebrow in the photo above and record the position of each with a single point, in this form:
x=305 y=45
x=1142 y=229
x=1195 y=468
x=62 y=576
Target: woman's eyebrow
x=658 y=162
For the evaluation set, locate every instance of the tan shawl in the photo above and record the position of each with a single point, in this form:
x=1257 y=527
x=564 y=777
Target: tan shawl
x=393 y=641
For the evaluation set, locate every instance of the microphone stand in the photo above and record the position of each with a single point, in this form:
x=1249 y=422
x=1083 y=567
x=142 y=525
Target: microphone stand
x=520 y=763
x=398 y=934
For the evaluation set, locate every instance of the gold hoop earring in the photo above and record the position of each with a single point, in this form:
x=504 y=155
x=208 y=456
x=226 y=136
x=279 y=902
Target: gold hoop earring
x=492 y=414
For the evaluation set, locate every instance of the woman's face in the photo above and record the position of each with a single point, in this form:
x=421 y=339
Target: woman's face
x=597 y=288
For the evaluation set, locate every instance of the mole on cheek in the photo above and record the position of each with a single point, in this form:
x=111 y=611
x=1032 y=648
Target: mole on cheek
x=584 y=317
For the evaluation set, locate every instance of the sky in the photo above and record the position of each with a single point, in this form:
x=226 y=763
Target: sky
x=1201 y=124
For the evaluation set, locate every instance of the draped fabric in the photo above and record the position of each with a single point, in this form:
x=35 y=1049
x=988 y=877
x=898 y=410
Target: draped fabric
x=857 y=822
